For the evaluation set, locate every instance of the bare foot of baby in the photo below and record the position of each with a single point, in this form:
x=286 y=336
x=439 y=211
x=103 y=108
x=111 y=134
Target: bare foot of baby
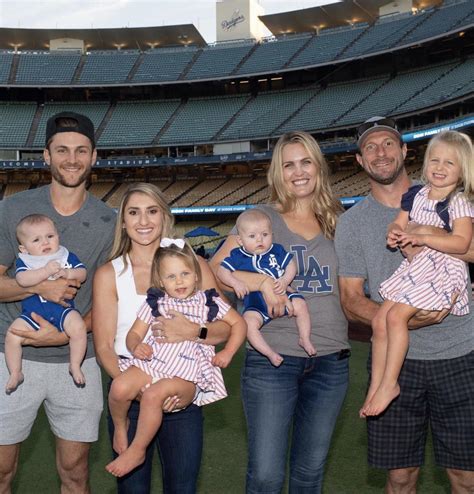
x=381 y=399
x=120 y=440
x=275 y=358
x=77 y=374
x=307 y=346
x=126 y=462
x=16 y=378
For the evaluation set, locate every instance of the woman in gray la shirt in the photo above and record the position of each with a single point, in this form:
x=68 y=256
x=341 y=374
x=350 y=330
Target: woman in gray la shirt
x=304 y=392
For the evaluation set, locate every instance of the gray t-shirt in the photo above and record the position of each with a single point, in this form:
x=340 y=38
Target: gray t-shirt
x=316 y=280
x=88 y=233
x=362 y=251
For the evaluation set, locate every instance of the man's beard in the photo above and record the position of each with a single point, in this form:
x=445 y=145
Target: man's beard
x=58 y=177
x=386 y=180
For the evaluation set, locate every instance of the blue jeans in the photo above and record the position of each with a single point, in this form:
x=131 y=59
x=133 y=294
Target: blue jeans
x=306 y=393
x=179 y=443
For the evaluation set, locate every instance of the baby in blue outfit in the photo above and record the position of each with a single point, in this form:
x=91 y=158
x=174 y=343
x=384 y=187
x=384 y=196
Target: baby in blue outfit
x=41 y=258
x=258 y=254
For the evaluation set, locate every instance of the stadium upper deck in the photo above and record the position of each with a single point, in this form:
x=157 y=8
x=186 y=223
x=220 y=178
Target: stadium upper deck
x=232 y=60
x=175 y=122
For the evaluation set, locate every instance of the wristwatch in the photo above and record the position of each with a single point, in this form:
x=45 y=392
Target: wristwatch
x=202 y=335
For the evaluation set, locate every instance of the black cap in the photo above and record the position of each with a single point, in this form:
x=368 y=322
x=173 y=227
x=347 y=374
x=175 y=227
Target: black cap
x=68 y=121
x=376 y=124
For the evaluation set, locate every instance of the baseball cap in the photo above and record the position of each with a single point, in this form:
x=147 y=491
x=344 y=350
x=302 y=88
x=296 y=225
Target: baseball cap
x=376 y=124
x=69 y=121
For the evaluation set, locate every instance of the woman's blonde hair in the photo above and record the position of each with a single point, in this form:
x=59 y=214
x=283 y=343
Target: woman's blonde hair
x=462 y=145
x=324 y=204
x=186 y=254
x=122 y=243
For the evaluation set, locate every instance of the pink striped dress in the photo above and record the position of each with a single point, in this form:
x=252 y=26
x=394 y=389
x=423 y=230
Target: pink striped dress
x=431 y=279
x=188 y=360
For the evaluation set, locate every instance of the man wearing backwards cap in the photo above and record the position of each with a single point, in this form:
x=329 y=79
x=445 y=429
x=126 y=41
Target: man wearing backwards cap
x=85 y=225
x=438 y=374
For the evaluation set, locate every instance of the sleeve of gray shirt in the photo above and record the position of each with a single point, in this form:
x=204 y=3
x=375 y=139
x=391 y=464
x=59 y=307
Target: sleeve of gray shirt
x=349 y=251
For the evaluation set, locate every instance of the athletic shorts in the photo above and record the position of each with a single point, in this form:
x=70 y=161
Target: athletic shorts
x=436 y=394
x=73 y=412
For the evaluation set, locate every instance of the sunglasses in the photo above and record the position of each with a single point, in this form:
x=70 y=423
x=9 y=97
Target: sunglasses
x=386 y=122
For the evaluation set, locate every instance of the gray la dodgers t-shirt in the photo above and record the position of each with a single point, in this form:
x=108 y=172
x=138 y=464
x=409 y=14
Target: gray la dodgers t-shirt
x=88 y=233
x=362 y=252
x=316 y=280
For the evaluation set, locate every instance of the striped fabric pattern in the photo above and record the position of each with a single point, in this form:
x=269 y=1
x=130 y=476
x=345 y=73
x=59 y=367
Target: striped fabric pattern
x=188 y=360
x=432 y=278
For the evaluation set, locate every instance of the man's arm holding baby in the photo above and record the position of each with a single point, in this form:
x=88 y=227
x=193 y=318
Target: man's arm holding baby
x=56 y=291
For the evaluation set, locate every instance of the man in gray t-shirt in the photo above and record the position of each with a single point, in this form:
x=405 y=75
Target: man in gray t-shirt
x=438 y=374
x=85 y=225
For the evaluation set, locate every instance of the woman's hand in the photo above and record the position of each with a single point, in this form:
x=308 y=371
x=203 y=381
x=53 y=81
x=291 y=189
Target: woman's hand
x=278 y=287
x=176 y=329
x=46 y=335
x=275 y=303
x=171 y=404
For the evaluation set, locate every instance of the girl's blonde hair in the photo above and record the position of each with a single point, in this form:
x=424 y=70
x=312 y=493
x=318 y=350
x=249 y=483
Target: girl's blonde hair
x=323 y=203
x=186 y=254
x=122 y=243
x=462 y=145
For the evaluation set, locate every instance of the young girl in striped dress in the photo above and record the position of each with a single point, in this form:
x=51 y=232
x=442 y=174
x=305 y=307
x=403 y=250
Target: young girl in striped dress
x=190 y=369
x=433 y=278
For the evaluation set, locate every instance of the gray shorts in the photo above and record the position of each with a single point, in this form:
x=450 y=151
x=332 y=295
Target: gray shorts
x=73 y=412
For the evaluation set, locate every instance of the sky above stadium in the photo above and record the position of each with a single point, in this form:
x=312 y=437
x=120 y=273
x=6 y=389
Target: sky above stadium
x=60 y=14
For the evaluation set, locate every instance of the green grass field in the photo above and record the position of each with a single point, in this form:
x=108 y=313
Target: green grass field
x=224 y=460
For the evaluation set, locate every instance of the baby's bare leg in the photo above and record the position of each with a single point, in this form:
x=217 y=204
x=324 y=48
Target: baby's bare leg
x=303 y=322
x=254 y=323
x=13 y=355
x=75 y=328
x=149 y=421
x=124 y=389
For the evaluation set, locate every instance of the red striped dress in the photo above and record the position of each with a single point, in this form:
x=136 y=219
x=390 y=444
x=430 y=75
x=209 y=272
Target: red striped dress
x=188 y=360
x=431 y=279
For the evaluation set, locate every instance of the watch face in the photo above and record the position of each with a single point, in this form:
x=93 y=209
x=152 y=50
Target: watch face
x=203 y=333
